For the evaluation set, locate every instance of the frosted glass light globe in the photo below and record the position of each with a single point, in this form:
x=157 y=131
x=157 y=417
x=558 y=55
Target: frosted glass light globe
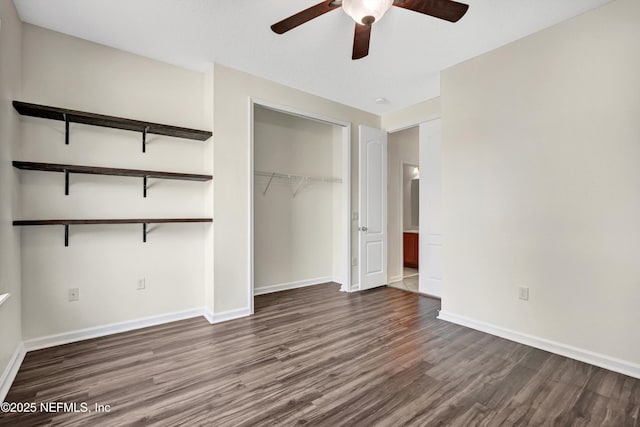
x=366 y=12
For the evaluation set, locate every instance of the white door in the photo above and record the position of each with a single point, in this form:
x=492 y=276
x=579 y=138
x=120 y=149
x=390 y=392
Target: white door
x=430 y=251
x=373 y=208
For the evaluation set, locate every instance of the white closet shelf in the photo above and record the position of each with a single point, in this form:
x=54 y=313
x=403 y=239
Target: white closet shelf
x=299 y=179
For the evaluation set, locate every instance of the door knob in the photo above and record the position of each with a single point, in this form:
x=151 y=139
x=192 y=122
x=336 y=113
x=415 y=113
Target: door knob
x=363 y=228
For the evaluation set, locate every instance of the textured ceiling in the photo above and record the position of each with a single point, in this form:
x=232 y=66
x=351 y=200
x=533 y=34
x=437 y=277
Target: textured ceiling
x=408 y=50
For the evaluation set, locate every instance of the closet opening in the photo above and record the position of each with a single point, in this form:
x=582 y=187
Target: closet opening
x=300 y=200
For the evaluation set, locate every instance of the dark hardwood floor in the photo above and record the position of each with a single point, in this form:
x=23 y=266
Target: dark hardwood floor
x=317 y=356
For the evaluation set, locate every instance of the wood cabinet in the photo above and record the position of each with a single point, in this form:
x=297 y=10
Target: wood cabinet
x=410 y=249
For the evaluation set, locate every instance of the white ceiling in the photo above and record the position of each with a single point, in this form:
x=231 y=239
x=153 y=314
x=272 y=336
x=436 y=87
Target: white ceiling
x=408 y=50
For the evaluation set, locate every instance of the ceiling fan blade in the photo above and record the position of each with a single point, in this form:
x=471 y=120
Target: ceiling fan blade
x=361 y=41
x=444 y=9
x=305 y=16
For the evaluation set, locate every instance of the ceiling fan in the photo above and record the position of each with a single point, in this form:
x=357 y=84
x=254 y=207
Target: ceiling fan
x=366 y=12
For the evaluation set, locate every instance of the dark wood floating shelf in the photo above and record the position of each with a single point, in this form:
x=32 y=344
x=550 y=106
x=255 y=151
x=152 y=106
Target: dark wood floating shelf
x=95 y=170
x=73 y=116
x=144 y=221
x=107 y=221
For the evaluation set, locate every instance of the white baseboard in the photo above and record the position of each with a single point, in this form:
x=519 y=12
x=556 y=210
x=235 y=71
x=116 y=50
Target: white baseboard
x=227 y=315
x=208 y=314
x=11 y=371
x=395 y=279
x=291 y=285
x=354 y=288
x=113 y=328
x=601 y=360
x=338 y=280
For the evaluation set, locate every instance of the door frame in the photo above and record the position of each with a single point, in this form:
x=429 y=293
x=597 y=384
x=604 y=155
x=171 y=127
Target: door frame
x=346 y=185
x=422 y=228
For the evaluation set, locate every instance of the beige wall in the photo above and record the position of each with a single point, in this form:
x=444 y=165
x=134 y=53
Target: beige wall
x=294 y=235
x=105 y=262
x=541 y=163
x=403 y=147
x=232 y=169
x=411 y=116
x=10 y=281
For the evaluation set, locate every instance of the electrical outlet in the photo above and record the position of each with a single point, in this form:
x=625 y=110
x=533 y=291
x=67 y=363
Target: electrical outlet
x=74 y=294
x=354 y=262
x=142 y=284
x=523 y=293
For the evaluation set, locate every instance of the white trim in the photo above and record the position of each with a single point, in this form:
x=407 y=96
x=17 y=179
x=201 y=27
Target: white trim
x=10 y=372
x=291 y=285
x=227 y=315
x=410 y=124
x=4 y=297
x=300 y=113
x=251 y=272
x=346 y=182
x=208 y=314
x=346 y=202
x=113 y=328
x=601 y=360
x=395 y=279
x=355 y=287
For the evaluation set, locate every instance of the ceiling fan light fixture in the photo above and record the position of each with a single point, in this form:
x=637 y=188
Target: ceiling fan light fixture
x=366 y=12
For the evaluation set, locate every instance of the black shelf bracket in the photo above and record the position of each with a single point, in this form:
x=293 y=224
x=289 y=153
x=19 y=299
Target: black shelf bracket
x=144 y=186
x=66 y=182
x=144 y=139
x=144 y=221
x=66 y=129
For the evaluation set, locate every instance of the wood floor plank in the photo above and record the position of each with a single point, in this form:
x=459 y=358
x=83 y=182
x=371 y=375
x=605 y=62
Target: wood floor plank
x=317 y=356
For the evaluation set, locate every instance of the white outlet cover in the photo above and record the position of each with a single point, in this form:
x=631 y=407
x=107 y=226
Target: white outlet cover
x=523 y=293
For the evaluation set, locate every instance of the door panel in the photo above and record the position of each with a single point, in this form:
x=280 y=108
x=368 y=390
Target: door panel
x=373 y=208
x=430 y=281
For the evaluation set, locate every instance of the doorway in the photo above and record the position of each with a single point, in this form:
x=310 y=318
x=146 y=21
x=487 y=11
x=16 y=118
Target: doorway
x=410 y=217
x=403 y=208
x=417 y=145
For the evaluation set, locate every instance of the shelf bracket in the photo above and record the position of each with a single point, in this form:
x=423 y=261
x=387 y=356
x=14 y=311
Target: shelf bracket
x=144 y=233
x=144 y=139
x=66 y=129
x=66 y=235
x=264 y=193
x=299 y=186
x=66 y=182
x=144 y=186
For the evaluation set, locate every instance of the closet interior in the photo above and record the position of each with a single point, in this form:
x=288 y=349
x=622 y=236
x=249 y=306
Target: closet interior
x=298 y=201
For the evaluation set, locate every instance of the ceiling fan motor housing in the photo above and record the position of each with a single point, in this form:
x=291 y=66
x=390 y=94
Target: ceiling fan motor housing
x=368 y=20
x=366 y=12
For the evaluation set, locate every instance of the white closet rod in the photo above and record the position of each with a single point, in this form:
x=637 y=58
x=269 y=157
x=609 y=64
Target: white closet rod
x=302 y=177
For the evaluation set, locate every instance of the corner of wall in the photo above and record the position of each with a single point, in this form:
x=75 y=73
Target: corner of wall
x=11 y=349
x=410 y=116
